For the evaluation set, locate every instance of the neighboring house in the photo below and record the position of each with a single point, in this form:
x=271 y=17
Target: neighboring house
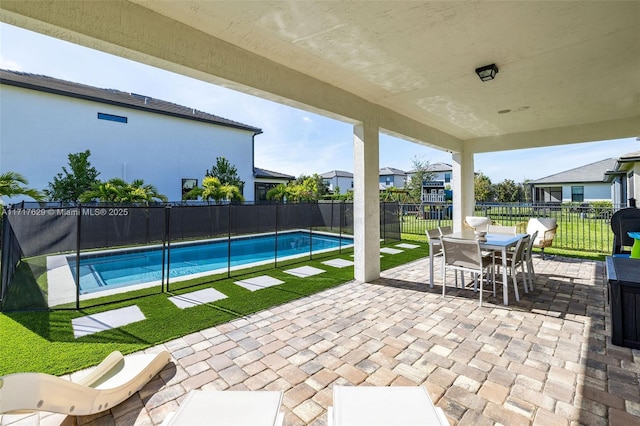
x=266 y=180
x=624 y=178
x=434 y=189
x=392 y=178
x=338 y=179
x=581 y=185
x=130 y=136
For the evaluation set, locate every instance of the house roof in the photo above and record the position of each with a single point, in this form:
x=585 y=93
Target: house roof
x=114 y=97
x=589 y=173
x=336 y=173
x=391 y=171
x=264 y=173
x=435 y=168
x=618 y=168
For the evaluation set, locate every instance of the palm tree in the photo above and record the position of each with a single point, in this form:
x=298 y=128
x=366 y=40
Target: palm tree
x=117 y=190
x=212 y=189
x=139 y=192
x=11 y=185
x=278 y=193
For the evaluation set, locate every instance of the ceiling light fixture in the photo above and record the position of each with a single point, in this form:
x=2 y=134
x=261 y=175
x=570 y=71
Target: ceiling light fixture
x=488 y=72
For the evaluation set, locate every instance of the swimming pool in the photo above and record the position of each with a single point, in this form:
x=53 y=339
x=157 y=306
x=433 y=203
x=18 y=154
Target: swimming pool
x=114 y=269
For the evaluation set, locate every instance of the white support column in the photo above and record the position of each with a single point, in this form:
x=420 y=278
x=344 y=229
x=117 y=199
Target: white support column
x=463 y=188
x=366 y=202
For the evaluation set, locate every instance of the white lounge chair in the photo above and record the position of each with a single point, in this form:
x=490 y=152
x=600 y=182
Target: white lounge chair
x=111 y=382
x=383 y=406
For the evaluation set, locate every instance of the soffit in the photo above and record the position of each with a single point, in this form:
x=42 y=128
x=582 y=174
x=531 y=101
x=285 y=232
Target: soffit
x=561 y=63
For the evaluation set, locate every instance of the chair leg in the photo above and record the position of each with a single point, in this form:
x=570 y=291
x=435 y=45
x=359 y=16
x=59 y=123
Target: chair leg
x=481 y=282
x=515 y=283
x=532 y=273
x=524 y=277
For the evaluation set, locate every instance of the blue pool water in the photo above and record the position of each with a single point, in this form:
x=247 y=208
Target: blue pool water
x=104 y=271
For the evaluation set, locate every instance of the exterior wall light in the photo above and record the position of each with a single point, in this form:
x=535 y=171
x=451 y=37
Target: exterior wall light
x=488 y=72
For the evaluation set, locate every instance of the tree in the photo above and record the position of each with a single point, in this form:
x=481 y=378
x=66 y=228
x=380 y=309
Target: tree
x=11 y=185
x=419 y=175
x=226 y=173
x=508 y=191
x=304 y=188
x=213 y=189
x=278 y=193
x=483 y=187
x=117 y=190
x=68 y=186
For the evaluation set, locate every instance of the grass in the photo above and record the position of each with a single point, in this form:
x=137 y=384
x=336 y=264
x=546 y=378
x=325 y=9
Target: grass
x=43 y=341
x=577 y=235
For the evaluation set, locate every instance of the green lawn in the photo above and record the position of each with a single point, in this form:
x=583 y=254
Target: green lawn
x=43 y=341
x=575 y=234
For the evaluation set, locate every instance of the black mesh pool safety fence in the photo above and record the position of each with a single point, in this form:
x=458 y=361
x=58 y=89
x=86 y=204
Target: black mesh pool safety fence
x=71 y=257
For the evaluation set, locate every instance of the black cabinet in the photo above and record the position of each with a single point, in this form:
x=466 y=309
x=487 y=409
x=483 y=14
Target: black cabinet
x=623 y=275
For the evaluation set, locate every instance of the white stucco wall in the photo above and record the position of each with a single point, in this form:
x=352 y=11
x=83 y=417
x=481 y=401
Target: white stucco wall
x=38 y=130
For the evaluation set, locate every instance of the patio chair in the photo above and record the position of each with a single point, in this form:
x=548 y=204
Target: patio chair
x=546 y=227
x=107 y=385
x=477 y=223
x=465 y=256
x=500 y=229
x=622 y=222
x=516 y=259
x=435 y=247
x=445 y=230
x=527 y=255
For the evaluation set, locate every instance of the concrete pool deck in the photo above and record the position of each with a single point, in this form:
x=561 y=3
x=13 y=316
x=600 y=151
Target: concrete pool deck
x=546 y=360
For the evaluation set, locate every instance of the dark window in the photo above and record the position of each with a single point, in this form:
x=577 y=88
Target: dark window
x=261 y=190
x=111 y=117
x=577 y=194
x=188 y=185
x=447 y=177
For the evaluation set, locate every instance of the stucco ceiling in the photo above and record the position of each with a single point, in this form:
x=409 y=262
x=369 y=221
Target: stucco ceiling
x=569 y=71
x=560 y=63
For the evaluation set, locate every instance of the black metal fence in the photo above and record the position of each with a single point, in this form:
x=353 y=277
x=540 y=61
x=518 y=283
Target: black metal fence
x=581 y=227
x=45 y=247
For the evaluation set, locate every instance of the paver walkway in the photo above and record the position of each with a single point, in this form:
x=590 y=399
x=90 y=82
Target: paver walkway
x=546 y=360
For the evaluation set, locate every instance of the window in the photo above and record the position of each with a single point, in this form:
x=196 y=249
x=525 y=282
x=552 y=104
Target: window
x=111 y=117
x=188 y=185
x=447 y=177
x=261 y=190
x=577 y=194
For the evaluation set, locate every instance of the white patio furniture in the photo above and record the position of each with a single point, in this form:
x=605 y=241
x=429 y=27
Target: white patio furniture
x=111 y=382
x=546 y=227
x=228 y=408
x=465 y=255
x=383 y=406
x=477 y=223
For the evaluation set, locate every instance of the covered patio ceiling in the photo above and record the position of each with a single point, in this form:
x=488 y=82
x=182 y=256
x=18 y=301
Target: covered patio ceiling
x=569 y=71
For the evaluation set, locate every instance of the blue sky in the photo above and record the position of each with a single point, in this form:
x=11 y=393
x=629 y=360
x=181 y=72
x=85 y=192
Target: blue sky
x=294 y=141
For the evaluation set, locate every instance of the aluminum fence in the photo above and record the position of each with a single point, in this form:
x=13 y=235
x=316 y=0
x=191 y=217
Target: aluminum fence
x=581 y=227
x=45 y=247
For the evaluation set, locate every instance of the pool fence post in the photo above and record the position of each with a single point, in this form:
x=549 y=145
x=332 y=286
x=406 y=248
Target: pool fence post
x=229 y=241
x=311 y=232
x=340 y=223
x=275 y=254
x=78 y=240
x=165 y=244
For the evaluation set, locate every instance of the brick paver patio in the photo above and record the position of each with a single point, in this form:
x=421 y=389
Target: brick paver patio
x=546 y=360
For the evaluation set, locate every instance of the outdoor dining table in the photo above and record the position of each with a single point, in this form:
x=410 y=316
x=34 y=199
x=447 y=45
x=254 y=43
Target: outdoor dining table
x=494 y=242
